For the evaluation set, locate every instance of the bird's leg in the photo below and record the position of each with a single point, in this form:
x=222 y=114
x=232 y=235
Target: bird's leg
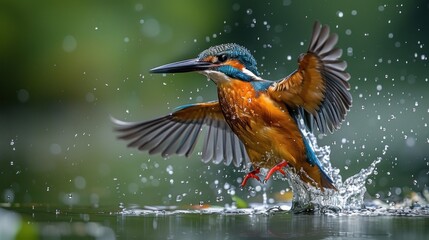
x=279 y=167
x=252 y=174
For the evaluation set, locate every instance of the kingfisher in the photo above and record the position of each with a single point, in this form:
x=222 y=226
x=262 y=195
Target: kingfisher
x=255 y=123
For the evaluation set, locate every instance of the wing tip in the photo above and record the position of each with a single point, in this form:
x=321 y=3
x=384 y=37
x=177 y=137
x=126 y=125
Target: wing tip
x=119 y=124
x=330 y=57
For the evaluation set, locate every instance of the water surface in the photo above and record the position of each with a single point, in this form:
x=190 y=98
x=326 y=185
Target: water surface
x=217 y=223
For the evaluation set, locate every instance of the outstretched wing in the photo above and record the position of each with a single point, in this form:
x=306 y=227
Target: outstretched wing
x=318 y=89
x=177 y=133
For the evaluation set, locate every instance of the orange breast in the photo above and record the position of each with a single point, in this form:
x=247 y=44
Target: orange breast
x=264 y=125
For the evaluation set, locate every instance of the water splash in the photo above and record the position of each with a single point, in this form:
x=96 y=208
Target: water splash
x=350 y=194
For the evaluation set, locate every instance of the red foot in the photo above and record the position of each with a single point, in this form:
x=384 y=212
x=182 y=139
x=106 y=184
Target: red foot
x=251 y=174
x=279 y=167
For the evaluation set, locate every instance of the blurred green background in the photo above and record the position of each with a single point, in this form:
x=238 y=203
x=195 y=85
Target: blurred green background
x=65 y=66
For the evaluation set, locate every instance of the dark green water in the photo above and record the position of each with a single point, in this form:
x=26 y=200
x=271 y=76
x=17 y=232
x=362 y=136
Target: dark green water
x=51 y=223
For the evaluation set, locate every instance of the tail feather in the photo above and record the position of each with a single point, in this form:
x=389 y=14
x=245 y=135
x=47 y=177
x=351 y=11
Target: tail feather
x=326 y=181
x=321 y=177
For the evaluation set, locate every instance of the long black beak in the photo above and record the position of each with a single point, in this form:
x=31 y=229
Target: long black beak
x=189 y=65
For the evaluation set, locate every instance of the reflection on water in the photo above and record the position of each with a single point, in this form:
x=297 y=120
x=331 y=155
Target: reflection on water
x=215 y=224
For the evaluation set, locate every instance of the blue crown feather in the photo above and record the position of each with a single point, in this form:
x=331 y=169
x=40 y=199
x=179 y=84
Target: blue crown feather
x=232 y=50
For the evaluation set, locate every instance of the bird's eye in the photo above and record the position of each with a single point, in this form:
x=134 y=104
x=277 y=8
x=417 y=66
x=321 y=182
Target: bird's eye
x=222 y=58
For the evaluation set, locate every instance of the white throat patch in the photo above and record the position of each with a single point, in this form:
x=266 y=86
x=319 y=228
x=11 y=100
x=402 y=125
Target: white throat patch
x=219 y=77
x=216 y=76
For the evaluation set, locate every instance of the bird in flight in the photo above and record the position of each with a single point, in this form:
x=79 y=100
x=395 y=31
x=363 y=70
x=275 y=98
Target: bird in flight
x=255 y=122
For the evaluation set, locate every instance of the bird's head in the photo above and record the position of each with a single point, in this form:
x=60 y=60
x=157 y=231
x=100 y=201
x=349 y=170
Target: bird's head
x=220 y=63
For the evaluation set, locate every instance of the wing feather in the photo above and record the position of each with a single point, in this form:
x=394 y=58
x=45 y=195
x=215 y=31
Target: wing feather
x=190 y=143
x=229 y=153
x=177 y=133
x=172 y=145
x=319 y=89
x=168 y=137
x=209 y=146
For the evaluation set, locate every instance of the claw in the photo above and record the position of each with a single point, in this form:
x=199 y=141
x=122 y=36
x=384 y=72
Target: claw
x=279 y=167
x=251 y=174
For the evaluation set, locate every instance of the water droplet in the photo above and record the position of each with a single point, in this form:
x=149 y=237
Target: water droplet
x=398 y=191
x=169 y=169
x=349 y=51
x=179 y=198
x=249 y=11
x=69 y=43
x=23 y=95
x=231 y=192
x=151 y=27
x=410 y=141
x=219 y=199
x=138 y=7
x=90 y=97
x=80 y=182
x=348 y=32
x=55 y=149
